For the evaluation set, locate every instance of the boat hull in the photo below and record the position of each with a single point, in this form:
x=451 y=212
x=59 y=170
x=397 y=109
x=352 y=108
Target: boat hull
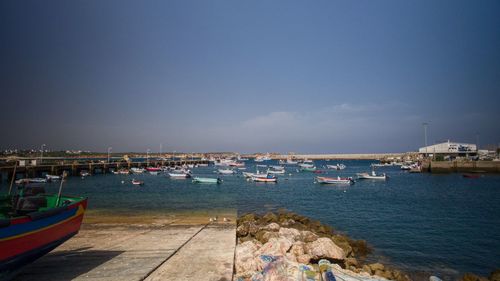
x=27 y=238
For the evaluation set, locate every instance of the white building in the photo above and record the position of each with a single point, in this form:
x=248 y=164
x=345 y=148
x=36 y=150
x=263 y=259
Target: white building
x=450 y=148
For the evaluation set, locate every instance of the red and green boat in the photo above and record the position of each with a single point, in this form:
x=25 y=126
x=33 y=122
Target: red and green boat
x=33 y=223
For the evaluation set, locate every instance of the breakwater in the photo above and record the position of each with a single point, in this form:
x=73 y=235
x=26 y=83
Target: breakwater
x=461 y=166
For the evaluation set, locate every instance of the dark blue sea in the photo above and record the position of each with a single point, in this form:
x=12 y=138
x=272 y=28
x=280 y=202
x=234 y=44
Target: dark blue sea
x=422 y=223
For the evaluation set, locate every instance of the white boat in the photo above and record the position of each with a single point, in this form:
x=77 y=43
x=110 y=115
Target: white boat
x=337 y=180
x=137 y=182
x=179 y=175
x=276 y=172
x=206 y=180
x=277 y=168
x=123 y=172
x=225 y=171
x=135 y=170
x=268 y=178
x=258 y=174
x=154 y=173
x=336 y=167
x=306 y=166
x=372 y=176
x=52 y=177
x=84 y=174
x=288 y=162
x=31 y=180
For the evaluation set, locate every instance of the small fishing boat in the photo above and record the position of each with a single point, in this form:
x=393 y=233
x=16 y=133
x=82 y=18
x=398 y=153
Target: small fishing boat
x=206 y=180
x=416 y=169
x=135 y=170
x=276 y=172
x=306 y=165
x=123 y=172
x=52 y=177
x=225 y=171
x=137 y=182
x=372 y=176
x=33 y=223
x=257 y=174
x=268 y=178
x=471 y=176
x=84 y=174
x=308 y=169
x=179 y=175
x=336 y=167
x=30 y=180
x=153 y=169
x=277 y=168
x=337 y=180
x=153 y=173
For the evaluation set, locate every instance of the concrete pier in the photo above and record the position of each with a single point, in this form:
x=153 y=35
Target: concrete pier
x=140 y=252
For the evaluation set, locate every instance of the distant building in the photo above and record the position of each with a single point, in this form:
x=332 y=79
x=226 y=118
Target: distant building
x=450 y=149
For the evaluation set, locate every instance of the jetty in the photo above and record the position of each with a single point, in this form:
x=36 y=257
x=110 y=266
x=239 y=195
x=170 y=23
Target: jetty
x=75 y=167
x=164 y=250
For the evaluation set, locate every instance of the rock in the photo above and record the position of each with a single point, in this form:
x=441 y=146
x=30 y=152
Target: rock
x=290 y=257
x=360 y=247
x=304 y=258
x=495 y=275
x=308 y=236
x=351 y=262
x=269 y=217
x=298 y=248
x=287 y=222
x=367 y=269
x=376 y=266
x=343 y=243
x=434 y=278
x=291 y=234
x=325 y=248
x=379 y=273
x=244 y=257
x=264 y=236
x=242 y=230
x=275 y=247
x=247 y=217
x=473 y=277
x=272 y=227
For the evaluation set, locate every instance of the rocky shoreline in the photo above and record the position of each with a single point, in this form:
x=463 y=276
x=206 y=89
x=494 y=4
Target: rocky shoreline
x=288 y=246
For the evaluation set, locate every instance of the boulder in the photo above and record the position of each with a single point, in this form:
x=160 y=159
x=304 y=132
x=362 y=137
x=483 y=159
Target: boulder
x=269 y=217
x=367 y=269
x=264 y=236
x=298 y=248
x=304 y=258
x=291 y=234
x=271 y=227
x=290 y=257
x=242 y=230
x=351 y=262
x=275 y=247
x=244 y=257
x=379 y=273
x=308 y=236
x=247 y=217
x=325 y=248
x=376 y=266
x=286 y=222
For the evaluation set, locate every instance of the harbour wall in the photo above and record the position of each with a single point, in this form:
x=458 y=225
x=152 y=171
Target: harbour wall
x=462 y=166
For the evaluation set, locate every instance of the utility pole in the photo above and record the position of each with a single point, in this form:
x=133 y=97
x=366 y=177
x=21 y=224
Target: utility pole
x=425 y=137
x=109 y=151
x=41 y=155
x=147 y=157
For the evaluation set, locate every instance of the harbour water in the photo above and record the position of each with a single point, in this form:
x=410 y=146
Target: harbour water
x=422 y=223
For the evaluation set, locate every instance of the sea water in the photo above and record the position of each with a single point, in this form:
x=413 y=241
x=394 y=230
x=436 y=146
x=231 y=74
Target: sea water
x=422 y=223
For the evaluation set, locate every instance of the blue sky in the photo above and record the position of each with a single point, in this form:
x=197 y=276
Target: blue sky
x=302 y=76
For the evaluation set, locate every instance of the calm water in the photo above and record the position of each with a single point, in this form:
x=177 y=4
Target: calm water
x=440 y=224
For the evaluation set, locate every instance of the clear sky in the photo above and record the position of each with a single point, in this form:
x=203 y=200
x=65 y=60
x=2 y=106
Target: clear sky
x=303 y=76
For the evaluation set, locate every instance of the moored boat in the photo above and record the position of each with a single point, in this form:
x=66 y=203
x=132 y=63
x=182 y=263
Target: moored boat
x=135 y=170
x=179 y=175
x=337 y=180
x=372 y=176
x=276 y=172
x=30 y=180
x=206 y=180
x=336 y=167
x=52 y=177
x=225 y=171
x=153 y=169
x=268 y=178
x=137 y=182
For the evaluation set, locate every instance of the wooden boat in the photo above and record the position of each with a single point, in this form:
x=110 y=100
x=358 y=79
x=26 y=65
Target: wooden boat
x=33 y=223
x=276 y=172
x=337 y=180
x=306 y=165
x=179 y=175
x=268 y=178
x=277 y=168
x=135 y=170
x=372 y=176
x=137 y=182
x=257 y=174
x=308 y=169
x=206 y=180
x=124 y=172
